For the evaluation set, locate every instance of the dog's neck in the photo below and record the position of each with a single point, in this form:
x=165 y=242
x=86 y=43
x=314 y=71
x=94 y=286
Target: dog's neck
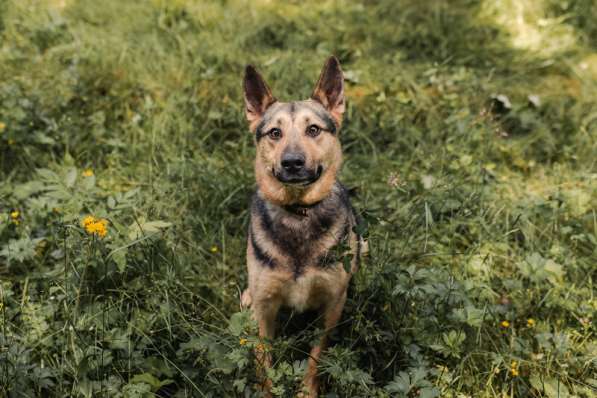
x=300 y=209
x=337 y=196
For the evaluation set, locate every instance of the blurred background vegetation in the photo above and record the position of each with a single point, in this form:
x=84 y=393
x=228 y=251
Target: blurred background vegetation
x=126 y=170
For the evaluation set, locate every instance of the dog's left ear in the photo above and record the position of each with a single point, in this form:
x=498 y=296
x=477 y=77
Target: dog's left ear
x=329 y=90
x=258 y=96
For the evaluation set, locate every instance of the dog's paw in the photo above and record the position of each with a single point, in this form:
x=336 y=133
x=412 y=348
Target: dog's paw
x=307 y=394
x=246 y=299
x=309 y=388
x=264 y=389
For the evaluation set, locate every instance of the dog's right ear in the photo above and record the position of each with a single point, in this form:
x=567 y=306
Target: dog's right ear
x=258 y=96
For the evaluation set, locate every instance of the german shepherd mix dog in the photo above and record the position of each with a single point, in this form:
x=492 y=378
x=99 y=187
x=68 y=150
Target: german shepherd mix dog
x=300 y=212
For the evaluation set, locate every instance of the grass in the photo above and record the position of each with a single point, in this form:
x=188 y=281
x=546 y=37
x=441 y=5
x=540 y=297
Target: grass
x=470 y=135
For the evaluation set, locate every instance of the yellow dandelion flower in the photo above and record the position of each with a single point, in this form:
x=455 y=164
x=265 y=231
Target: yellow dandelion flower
x=514 y=369
x=530 y=322
x=15 y=214
x=100 y=228
x=95 y=226
x=2 y=126
x=87 y=173
x=242 y=342
x=11 y=142
x=505 y=324
x=87 y=221
x=214 y=249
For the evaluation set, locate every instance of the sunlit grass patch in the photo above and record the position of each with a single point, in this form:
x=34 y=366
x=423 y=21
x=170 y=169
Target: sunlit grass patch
x=530 y=26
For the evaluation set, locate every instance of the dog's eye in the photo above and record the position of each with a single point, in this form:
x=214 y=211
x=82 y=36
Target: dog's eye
x=313 y=130
x=275 y=133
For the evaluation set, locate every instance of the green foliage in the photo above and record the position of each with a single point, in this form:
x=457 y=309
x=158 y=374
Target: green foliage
x=415 y=382
x=126 y=170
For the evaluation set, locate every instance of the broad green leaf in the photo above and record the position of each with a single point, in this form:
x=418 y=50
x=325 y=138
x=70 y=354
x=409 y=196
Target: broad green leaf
x=555 y=271
x=239 y=322
x=89 y=182
x=429 y=392
x=119 y=258
x=400 y=384
x=111 y=202
x=146 y=228
x=70 y=178
x=551 y=387
x=150 y=379
x=20 y=249
x=23 y=191
x=47 y=174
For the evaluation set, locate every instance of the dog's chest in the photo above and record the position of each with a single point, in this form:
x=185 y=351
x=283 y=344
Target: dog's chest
x=307 y=239
x=314 y=288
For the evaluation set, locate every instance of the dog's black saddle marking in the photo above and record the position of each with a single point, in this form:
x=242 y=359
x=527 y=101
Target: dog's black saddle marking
x=334 y=213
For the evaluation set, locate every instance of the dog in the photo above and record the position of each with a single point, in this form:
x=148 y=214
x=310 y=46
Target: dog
x=301 y=216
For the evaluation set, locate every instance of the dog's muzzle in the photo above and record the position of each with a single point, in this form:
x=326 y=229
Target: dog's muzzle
x=298 y=176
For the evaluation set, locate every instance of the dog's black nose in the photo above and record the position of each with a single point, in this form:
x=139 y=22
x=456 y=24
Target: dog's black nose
x=293 y=162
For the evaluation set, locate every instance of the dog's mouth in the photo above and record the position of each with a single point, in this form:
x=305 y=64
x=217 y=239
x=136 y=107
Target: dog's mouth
x=303 y=178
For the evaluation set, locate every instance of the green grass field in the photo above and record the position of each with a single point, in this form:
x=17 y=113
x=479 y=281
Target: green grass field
x=470 y=136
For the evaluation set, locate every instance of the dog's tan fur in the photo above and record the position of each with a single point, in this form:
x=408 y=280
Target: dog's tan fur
x=325 y=149
x=293 y=227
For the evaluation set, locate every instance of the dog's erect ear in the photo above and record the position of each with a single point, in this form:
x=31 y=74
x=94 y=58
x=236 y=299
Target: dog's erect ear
x=329 y=90
x=258 y=96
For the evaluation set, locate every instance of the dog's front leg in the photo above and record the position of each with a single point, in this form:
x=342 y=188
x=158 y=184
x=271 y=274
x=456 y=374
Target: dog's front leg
x=265 y=312
x=331 y=316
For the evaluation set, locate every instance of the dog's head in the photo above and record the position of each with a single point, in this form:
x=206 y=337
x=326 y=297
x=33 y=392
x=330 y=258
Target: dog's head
x=298 y=150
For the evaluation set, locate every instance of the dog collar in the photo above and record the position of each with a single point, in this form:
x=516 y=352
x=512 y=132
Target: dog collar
x=299 y=210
